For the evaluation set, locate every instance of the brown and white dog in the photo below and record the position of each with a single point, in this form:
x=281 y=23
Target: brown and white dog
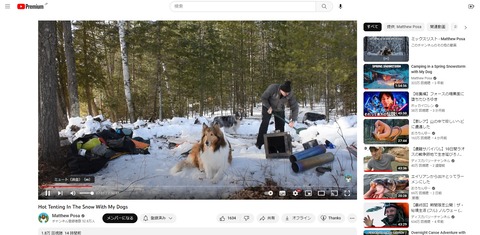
x=213 y=154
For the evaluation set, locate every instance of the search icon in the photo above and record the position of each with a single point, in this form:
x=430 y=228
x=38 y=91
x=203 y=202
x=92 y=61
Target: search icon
x=324 y=6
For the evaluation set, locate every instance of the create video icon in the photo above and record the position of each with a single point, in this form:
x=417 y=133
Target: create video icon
x=21 y=6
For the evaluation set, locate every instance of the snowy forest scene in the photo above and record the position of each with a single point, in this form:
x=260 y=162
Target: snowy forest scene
x=123 y=103
x=387 y=49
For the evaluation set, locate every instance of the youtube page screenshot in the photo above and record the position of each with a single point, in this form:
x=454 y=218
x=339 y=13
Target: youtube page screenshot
x=239 y=117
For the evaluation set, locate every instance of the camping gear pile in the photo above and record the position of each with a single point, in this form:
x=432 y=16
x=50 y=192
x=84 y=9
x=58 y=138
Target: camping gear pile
x=91 y=152
x=314 y=155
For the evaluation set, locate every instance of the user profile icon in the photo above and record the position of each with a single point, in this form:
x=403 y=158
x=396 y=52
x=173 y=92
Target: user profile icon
x=43 y=218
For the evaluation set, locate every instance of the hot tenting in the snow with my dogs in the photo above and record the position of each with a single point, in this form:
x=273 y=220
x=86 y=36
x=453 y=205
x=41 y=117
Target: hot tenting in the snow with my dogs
x=199 y=109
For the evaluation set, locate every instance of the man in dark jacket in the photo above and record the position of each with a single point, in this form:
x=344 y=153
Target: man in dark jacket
x=274 y=99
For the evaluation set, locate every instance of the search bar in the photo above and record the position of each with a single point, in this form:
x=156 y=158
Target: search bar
x=253 y=6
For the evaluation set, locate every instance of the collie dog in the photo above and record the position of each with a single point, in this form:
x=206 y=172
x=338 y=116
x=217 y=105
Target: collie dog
x=213 y=154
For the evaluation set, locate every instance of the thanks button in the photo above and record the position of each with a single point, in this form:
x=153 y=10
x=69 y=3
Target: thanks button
x=331 y=218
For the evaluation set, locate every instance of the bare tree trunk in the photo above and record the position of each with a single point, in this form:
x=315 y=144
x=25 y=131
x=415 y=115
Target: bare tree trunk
x=61 y=109
x=169 y=92
x=48 y=138
x=110 y=69
x=96 y=110
x=126 y=74
x=327 y=95
x=202 y=70
x=159 y=88
x=86 y=64
x=252 y=71
x=71 y=70
x=222 y=103
x=88 y=95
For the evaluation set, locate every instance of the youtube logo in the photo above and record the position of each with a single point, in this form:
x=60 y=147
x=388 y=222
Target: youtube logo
x=23 y=6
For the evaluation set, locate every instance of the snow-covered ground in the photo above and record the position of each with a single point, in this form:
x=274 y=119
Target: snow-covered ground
x=148 y=177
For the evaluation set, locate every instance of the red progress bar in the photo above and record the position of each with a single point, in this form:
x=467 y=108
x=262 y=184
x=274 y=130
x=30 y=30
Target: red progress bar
x=65 y=186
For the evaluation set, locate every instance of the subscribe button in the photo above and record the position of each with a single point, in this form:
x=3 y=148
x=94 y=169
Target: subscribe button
x=120 y=218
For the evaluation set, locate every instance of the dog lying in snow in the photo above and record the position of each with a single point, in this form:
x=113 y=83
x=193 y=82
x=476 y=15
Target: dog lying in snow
x=213 y=154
